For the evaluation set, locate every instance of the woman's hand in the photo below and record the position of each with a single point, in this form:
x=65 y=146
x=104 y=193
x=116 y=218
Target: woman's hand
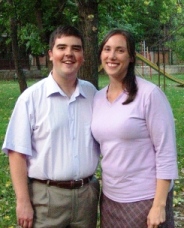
x=157 y=213
x=156 y=216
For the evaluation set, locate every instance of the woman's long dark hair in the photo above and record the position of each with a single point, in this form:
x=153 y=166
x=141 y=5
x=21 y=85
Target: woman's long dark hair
x=130 y=80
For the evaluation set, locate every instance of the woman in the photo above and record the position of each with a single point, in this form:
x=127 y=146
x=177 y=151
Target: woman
x=133 y=123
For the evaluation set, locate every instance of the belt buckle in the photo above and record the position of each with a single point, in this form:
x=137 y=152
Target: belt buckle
x=81 y=181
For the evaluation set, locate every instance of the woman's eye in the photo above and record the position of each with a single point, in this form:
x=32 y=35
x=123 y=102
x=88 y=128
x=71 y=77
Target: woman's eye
x=106 y=49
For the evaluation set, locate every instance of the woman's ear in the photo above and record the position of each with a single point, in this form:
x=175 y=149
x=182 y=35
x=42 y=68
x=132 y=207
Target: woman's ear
x=132 y=59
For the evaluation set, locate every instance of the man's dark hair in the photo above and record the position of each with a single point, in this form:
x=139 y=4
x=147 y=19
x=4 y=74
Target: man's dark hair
x=66 y=30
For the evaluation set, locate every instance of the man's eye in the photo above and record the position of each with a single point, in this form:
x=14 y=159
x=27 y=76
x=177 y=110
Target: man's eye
x=77 y=48
x=61 y=48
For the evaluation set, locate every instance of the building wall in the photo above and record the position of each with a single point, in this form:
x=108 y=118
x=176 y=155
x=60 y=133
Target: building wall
x=139 y=70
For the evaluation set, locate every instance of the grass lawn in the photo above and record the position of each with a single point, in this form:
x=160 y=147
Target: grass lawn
x=9 y=92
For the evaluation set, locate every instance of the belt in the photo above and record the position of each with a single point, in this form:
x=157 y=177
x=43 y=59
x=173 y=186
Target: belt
x=73 y=184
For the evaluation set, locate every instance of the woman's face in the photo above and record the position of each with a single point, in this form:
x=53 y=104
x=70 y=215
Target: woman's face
x=115 y=58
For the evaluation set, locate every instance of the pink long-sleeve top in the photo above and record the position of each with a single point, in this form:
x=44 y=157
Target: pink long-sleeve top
x=137 y=142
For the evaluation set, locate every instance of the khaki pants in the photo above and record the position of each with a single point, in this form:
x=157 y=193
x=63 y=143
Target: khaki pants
x=64 y=208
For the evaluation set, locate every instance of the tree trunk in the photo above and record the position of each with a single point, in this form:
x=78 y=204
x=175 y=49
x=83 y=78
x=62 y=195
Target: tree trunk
x=39 y=15
x=88 y=16
x=39 y=19
x=15 y=49
x=38 y=62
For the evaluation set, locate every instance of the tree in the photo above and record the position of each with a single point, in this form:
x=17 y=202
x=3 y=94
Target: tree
x=145 y=18
x=88 y=23
x=176 y=41
x=15 y=49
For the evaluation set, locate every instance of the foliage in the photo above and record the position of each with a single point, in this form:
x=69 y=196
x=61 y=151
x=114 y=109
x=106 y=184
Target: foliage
x=176 y=42
x=158 y=23
x=30 y=37
x=145 y=18
x=116 y=14
x=34 y=29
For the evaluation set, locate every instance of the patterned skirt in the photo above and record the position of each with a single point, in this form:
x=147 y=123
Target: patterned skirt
x=131 y=215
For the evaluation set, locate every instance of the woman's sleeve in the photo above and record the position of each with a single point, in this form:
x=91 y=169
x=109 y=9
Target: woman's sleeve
x=161 y=126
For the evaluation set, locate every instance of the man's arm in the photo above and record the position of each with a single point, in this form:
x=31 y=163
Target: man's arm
x=157 y=213
x=18 y=170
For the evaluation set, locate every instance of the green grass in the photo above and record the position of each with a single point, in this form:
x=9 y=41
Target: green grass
x=9 y=92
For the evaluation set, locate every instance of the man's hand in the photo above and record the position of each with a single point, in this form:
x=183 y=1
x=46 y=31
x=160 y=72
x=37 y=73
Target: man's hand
x=18 y=170
x=24 y=212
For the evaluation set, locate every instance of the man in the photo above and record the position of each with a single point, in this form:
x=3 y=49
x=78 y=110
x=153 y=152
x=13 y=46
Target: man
x=49 y=141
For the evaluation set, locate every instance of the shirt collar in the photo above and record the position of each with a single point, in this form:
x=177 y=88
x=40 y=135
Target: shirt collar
x=80 y=88
x=53 y=88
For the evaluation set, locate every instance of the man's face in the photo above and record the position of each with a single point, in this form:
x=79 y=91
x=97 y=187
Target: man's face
x=67 y=56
